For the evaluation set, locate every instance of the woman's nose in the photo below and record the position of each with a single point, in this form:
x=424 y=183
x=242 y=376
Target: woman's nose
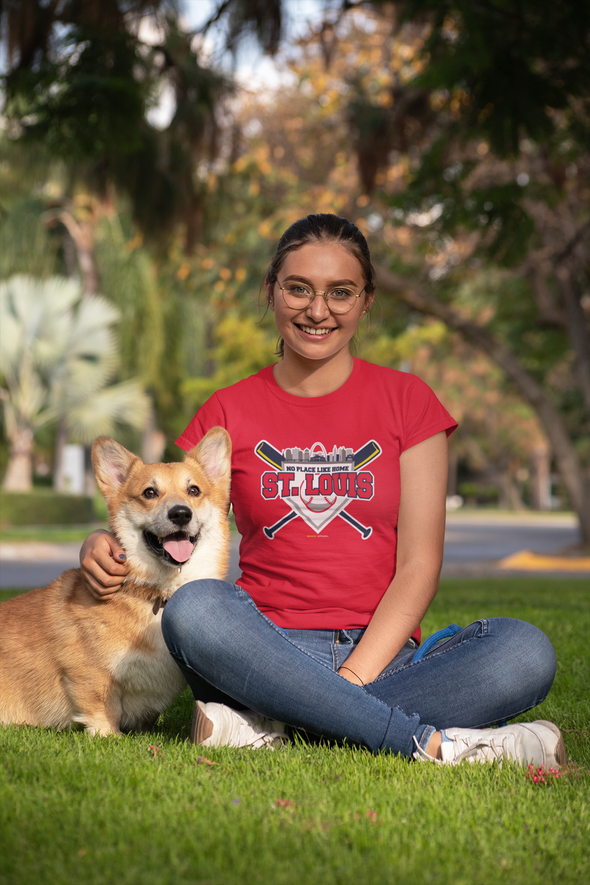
x=318 y=309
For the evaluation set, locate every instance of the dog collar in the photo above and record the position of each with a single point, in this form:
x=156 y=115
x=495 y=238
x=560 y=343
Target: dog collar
x=158 y=604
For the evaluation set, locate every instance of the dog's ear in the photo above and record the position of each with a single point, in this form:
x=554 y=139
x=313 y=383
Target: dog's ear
x=112 y=464
x=214 y=454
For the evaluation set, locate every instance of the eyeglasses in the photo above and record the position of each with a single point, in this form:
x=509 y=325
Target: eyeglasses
x=339 y=299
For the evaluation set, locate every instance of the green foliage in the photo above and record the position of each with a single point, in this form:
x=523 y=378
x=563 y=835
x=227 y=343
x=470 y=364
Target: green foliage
x=127 y=277
x=476 y=493
x=26 y=246
x=241 y=348
x=496 y=211
x=85 y=99
x=81 y=85
x=514 y=63
x=44 y=507
x=52 y=534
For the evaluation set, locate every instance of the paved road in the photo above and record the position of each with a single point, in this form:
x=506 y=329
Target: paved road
x=473 y=545
x=477 y=539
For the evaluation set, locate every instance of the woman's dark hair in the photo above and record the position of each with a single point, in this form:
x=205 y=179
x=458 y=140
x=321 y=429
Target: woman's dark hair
x=323 y=228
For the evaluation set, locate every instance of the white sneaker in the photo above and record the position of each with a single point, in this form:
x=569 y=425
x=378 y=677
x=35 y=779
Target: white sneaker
x=539 y=743
x=215 y=725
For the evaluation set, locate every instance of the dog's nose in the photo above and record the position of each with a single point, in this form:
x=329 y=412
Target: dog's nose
x=180 y=514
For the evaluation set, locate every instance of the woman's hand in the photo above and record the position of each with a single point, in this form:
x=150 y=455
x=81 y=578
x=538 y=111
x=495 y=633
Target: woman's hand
x=103 y=564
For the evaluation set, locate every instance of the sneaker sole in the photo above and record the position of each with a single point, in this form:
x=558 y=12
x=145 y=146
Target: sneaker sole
x=201 y=727
x=560 y=753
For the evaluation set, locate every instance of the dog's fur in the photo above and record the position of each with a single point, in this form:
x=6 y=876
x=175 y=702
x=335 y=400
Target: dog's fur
x=66 y=657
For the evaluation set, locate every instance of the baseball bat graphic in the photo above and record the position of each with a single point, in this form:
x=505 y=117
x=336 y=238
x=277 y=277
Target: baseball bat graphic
x=272 y=456
x=270 y=532
x=368 y=453
x=269 y=454
x=363 y=529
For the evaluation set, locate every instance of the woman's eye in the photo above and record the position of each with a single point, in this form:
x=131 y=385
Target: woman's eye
x=298 y=290
x=194 y=491
x=150 y=493
x=339 y=294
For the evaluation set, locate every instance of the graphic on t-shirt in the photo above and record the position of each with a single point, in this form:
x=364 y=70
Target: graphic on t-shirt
x=316 y=484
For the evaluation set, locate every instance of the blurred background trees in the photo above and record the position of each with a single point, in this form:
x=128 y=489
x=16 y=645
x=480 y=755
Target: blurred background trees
x=58 y=356
x=455 y=134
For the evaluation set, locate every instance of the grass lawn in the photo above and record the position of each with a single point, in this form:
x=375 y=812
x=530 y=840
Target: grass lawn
x=152 y=809
x=59 y=534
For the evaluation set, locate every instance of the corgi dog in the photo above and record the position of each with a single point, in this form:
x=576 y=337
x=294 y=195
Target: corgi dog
x=66 y=657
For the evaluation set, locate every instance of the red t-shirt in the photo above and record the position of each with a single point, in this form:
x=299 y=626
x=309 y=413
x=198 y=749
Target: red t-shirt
x=316 y=488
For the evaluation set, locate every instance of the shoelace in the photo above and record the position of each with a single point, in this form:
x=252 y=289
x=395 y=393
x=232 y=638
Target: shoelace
x=269 y=739
x=472 y=749
x=469 y=750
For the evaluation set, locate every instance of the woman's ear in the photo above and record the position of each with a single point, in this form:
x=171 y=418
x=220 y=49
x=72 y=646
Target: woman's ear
x=268 y=291
x=369 y=298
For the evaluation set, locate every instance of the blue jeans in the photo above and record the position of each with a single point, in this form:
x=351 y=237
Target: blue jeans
x=230 y=652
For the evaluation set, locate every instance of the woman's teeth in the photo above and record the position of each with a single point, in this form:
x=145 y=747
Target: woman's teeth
x=311 y=330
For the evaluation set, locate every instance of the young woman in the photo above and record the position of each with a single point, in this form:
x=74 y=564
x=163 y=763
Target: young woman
x=339 y=474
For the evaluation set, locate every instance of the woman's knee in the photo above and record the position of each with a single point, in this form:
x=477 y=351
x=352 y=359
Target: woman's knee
x=193 y=612
x=528 y=651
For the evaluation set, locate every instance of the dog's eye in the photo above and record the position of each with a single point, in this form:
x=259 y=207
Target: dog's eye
x=150 y=493
x=194 y=491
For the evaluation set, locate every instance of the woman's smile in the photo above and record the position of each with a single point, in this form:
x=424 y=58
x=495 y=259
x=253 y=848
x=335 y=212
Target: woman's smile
x=315 y=331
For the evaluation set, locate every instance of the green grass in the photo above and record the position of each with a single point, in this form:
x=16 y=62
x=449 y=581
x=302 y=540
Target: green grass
x=75 y=809
x=50 y=534
x=61 y=533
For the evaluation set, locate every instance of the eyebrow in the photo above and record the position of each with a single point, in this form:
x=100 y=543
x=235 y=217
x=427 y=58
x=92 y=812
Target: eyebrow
x=302 y=279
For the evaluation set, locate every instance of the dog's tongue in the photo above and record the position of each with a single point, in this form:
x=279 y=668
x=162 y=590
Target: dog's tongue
x=180 y=550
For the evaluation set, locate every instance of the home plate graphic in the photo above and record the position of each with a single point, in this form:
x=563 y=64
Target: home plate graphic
x=316 y=484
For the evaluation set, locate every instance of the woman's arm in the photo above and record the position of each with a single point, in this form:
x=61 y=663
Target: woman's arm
x=420 y=541
x=102 y=562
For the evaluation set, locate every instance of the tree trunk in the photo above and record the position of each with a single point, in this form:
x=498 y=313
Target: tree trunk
x=153 y=442
x=541 y=478
x=82 y=236
x=19 y=474
x=566 y=456
x=510 y=494
x=61 y=439
x=578 y=331
x=89 y=481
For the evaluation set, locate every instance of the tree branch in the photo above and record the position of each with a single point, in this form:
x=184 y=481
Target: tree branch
x=219 y=12
x=577 y=328
x=418 y=298
x=569 y=248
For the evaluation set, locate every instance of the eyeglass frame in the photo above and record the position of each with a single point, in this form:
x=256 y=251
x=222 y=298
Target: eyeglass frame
x=324 y=295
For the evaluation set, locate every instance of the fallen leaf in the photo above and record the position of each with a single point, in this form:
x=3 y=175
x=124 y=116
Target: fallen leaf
x=202 y=760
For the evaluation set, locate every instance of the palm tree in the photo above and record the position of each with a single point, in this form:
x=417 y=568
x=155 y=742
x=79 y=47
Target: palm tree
x=58 y=356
